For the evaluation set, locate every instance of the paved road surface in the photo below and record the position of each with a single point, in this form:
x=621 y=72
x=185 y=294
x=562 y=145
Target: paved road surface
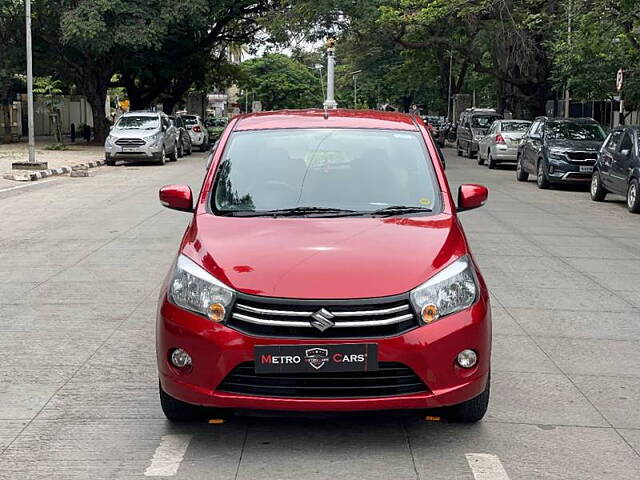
x=81 y=261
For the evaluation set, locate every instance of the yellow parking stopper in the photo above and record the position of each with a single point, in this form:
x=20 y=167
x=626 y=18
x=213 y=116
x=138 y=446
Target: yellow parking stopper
x=430 y=418
x=216 y=421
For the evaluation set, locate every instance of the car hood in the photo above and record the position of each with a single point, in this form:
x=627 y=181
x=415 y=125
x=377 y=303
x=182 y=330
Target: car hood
x=132 y=133
x=575 y=145
x=319 y=258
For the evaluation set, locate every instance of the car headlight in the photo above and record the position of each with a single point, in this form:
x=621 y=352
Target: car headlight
x=152 y=139
x=195 y=289
x=452 y=289
x=557 y=155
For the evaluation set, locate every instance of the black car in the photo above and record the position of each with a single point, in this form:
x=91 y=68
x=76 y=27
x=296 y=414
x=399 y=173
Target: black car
x=617 y=169
x=559 y=150
x=184 y=140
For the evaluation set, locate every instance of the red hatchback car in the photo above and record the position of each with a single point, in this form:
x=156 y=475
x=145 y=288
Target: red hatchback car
x=324 y=269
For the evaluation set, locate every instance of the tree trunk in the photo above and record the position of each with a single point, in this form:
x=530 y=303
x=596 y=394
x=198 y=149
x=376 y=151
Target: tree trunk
x=101 y=125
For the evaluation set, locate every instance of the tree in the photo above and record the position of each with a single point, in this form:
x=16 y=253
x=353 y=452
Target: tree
x=279 y=81
x=51 y=92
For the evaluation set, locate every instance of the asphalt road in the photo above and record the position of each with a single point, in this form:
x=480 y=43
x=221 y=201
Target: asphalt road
x=81 y=261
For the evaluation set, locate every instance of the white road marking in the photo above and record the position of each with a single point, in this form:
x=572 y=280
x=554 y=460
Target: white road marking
x=486 y=466
x=30 y=184
x=168 y=456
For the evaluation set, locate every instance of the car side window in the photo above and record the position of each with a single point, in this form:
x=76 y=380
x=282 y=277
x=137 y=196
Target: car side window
x=535 y=128
x=627 y=142
x=614 y=141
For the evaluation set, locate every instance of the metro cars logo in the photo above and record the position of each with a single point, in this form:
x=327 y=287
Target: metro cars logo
x=305 y=358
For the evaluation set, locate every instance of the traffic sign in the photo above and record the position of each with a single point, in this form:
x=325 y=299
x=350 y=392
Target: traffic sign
x=620 y=80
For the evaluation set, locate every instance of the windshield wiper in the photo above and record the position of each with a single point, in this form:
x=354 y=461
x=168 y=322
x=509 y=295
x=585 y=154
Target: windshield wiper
x=400 y=210
x=284 y=212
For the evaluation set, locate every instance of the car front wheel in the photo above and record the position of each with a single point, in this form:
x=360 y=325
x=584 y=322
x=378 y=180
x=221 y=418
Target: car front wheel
x=472 y=410
x=542 y=180
x=598 y=192
x=633 y=196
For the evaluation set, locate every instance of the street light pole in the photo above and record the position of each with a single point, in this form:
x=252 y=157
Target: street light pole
x=355 y=88
x=32 y=142
x=330 y=102
x=449 y=95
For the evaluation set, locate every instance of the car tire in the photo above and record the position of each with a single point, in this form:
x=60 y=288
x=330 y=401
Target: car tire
x=541 y=177
x=178 y=411
x=174 y=156
x=190 y=151
x=458 y=149
x=163 y=157
x=521 y=173
x=598 y=192
x=491 y=163
x=633 y=196
x=472 y=410
x=181 y=150
x=109 y=162
x=480 y=159
x=469 y=152
x=203 y=147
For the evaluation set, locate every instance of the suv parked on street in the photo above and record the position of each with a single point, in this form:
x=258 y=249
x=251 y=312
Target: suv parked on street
x=197 y=131
x=559 y=150
x=184 y=139
x=474 y=124
x=617 y=169
x=142 y=136
x=328 y=272
x=501 y=142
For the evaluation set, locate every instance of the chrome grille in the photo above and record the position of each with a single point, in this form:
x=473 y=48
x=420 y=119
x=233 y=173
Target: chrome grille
x=582 y=156
x=322 y=319
x=130 y=142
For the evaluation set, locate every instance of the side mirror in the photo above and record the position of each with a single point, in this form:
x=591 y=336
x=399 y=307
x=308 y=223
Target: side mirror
x=111 y=128
x=471 y=196
x=626 y=152
x=177 y=197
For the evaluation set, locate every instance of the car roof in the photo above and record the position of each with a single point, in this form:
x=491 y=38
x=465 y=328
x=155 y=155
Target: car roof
x=141 y=114
x=315 y=118
x=570 y=119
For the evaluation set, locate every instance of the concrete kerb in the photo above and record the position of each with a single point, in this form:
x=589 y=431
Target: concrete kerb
x=30 y=176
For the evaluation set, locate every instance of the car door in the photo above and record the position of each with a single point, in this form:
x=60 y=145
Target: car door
x=489 y=139
x=622 y=163
x=529 y=149
x=607 y=158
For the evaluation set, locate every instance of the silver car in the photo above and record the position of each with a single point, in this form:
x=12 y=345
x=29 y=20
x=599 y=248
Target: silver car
x=142 y=136
x=500 y=144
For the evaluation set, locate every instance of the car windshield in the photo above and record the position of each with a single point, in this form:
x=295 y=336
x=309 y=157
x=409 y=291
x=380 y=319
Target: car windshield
x=482 y=121
x=342 y=169
x=142 y=122
x=190 y=120
x=515 y=126
x=574 y=131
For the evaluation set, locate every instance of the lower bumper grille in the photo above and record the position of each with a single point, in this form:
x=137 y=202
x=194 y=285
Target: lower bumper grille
x=391 y=379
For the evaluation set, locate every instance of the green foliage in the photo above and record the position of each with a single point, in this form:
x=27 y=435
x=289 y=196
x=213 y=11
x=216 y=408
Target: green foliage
x=279 y=81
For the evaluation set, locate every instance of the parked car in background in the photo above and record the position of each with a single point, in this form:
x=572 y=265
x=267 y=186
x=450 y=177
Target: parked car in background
x=184 y=139
x=473 y=125
x=197 y=131
x=617 y=169
x=559 y=150
x=215 y=127
x=501 y=142
x=316 y=316
x=142 y=136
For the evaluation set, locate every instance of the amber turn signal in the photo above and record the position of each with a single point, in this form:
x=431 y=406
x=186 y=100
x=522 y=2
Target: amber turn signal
x=429 y=313
x=216 y=312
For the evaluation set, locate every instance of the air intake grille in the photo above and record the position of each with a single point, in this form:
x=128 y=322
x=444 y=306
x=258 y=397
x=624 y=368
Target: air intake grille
x=322 y=319
x=390 y=380
x=130 y=142
x=582 y=156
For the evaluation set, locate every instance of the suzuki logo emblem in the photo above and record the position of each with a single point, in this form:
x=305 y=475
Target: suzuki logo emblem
x=322 y=319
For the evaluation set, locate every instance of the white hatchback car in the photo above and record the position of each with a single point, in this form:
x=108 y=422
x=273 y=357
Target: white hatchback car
x=197 y=131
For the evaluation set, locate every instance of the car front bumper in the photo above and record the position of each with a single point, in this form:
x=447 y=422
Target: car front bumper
x=562 y=171
x=429 y=350
x=143 y=153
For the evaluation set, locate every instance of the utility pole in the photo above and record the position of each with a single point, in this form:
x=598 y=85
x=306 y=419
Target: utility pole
x=567 y=93
x=449 y=95
x=319 y=67
x=32 y=141
x=330 y=102
x=355 y=88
